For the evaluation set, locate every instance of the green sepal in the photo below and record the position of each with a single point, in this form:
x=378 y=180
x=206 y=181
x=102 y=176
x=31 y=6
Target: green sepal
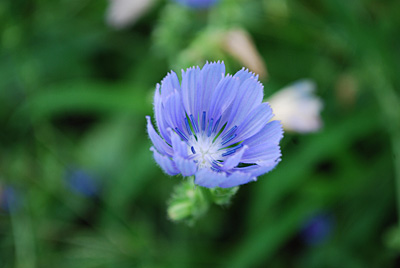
x=188 y=202
x=223 y=196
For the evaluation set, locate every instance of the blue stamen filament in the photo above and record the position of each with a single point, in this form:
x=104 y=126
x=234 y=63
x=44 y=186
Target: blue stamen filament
x=215 y=169
x=193 y=150
x=203 y=123
x=238 y=147
x=196 y=129
x=230 y=132
x=181 y=134
x=210 y=127
x=216 y=125
x=229 y=139
x=216 y=163
x=232 y=150
x=229 y=152
x=188 y=126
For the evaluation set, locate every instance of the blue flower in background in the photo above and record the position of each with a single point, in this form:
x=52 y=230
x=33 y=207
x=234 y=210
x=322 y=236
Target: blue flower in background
x=81 y=182
x=214 y=126
x=317 y=229
x=9 y=199
x=201 y=4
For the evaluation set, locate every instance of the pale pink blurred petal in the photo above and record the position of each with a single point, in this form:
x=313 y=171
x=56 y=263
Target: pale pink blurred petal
x=239 y=44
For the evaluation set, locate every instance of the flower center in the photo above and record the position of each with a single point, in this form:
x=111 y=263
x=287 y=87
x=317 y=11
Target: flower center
x=204 y=151
x=206 y=144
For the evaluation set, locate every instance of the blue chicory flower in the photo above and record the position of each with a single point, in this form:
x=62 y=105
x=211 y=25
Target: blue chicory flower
x=81 y=182
x=199 y=4
x=317 y=229
x=9 y=199
x=214 y=126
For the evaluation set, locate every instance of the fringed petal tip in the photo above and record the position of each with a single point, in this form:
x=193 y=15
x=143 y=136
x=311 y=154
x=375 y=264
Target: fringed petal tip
x=278 y=131
x=197 y=68
x=161 y=146
x=166 y=164
x=261 y=170
x=214 y=62
x=245 y=73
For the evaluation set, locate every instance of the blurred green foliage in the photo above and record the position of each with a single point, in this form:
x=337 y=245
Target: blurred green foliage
x=74 y=93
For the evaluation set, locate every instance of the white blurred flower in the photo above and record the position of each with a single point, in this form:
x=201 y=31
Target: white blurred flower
x=297 y=107
x=122 y=13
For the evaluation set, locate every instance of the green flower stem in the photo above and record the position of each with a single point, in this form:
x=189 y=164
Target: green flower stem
x=23 y=238
x=396 y=152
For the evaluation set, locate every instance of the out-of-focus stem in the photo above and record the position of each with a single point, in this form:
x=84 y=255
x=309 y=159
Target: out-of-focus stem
x=390 y=105
x=396 y=152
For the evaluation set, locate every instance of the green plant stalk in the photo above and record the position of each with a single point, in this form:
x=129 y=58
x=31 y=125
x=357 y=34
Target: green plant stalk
x=23 y=239
x=396 y=151
x=390 y=105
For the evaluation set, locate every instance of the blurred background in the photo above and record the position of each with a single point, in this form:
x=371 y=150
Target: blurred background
x=79 y=187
